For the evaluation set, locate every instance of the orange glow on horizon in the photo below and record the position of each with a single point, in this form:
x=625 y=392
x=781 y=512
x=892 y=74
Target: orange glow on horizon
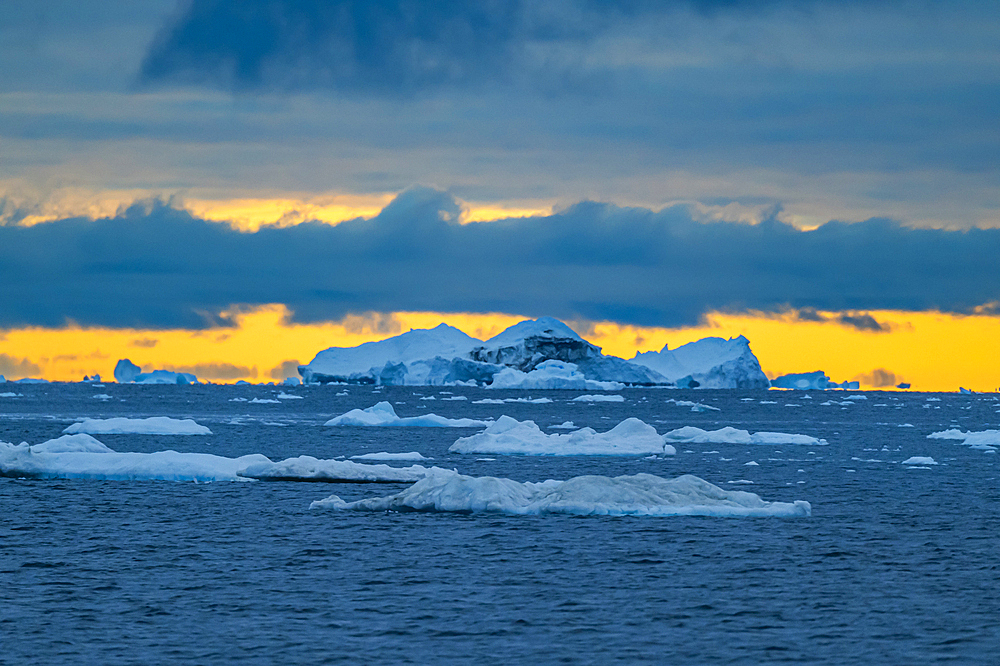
x=931 y=351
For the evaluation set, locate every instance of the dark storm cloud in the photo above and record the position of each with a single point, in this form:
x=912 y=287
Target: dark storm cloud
x=863 y=322
x=386 y=45
x=154 y=266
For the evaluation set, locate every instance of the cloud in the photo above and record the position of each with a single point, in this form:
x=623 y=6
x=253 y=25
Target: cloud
x=215 y=370
x=863 y=322
x=285 y=370
x=156 y=267
x=879 y=378
x=13 y=367
x=144 y=342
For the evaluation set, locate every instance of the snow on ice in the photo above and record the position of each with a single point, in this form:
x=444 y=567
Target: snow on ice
x=382 y=414
x=631 y=437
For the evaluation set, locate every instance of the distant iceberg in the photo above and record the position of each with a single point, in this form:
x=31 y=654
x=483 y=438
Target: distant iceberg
x=730 y=435
x=127 y=372
x=154 y=425
x=638 y=495
x=83 y=457
x=811 y=381
x=708 y=363
x=631 y=437
x=382 y=414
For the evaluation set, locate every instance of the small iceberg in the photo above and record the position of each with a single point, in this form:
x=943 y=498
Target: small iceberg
x=631 y=437
x=384 y=456
x=638 y=495
x=154 y=425
x=599 y=398
x=382 y=414
x=919 y=460
x=984 y=440
x=730 y=435
x=83 y=457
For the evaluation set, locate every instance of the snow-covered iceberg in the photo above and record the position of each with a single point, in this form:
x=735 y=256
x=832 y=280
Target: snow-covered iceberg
x=551 y=374
x=382 y=414
x=446 y=356
x=83 y=457
x=708 y=363
x=154 y=425
x=638 y=495
x=730 y=435
x=127 y=372
x=984 y=440
x=810 y=381
x=631 y=437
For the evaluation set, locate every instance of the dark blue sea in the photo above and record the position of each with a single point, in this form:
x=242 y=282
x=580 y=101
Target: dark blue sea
x=896 y=565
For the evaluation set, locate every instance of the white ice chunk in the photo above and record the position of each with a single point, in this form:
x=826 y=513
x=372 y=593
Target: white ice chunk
x=382 y=455
x=264 y=401
x=631 y=437
x=382 y=414
x=730 y=435
x=154 y=425
x=599 y=398
x=638 y=495
x=71 y=457
x=289 y=396
x=695 y=406
x=984 y=440
x=919 y=460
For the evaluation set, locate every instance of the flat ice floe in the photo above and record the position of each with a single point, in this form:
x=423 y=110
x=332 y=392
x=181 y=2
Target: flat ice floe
x=730 y=435
x=984 y=440
x=599 y=398
x=638 y=495
x=83 y=457
x=919 y=460
x=631 y=437
x=382 y=455
x=382 y=414
x=154 y=425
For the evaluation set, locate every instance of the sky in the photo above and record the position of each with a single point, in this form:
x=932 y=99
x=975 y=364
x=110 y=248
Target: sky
x=230 y=187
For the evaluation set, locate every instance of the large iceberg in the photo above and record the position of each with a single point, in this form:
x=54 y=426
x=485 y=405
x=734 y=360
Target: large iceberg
x=382 y=414
x=154 y=425
x=638 y=495
x=631 y=437
x=708 y=363
x=730 y=435
x=127 y=372
x=810 y=380
x=83 y=457
x=446 y=356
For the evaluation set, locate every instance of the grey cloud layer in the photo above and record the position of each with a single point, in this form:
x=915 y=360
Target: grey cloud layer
x=158 y=267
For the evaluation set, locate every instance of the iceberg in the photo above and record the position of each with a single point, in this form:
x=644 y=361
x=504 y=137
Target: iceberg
x=445 y=356
x=127 y=372
x=631 y=437
x=919 y=460
x=599 y=398
x=382 y=414
x=811 y=381
x=72 y=457
x=708 y=363
x=551 y=374
x=3 y=380
x=638 y=495
x=730 y=435
x=154 y=425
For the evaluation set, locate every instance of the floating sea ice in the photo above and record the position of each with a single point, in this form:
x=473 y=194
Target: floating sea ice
x=497 y=401
x=237 y=400
x=565 y=425
x=752 y=463
x=695 y=406
x=154 y=425
x=730 y=435
x=8 y=394
x=919 y=460
x=265 y=401
x=83 y=457
x=638 y=495
x=101 y=396
x=985 y=440
x=289 y=396
x=599 y=398
x=382 y=455
x=382 y=414
x=631 y=437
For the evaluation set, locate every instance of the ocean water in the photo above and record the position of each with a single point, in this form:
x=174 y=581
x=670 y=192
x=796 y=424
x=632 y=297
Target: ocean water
x=896 y=565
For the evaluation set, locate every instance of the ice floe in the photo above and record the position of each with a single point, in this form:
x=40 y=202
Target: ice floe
x=382 y=414
x=631 y=437
x=154 y=425
x=695 y=406
x=638 y=495
x=730 y=435
x=599 y=398
x=919 y=460
x=289 y=396
x=984 y=440
x=384 y=456
x=83 y=457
